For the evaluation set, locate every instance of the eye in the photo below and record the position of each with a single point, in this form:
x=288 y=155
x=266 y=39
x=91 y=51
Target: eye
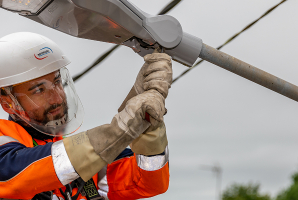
x=38 y=91
x=58 y=81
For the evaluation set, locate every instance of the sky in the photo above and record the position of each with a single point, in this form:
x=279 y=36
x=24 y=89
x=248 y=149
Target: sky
x=214 y=116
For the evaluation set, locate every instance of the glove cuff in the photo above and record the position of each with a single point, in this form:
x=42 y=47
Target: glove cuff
x=151 y=142
x=82 y=156
x=109 y=140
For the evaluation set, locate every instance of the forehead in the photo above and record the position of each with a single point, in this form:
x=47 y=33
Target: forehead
x=49 y=78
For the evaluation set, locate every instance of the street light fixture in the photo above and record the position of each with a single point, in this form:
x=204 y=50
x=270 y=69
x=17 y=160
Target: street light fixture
x=24 y=7
x=121 y=22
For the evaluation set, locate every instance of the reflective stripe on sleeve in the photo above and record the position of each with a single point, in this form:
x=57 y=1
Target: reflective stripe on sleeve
x=154 y=162
x=6 y=139
x=103 y=183
x=63 y=167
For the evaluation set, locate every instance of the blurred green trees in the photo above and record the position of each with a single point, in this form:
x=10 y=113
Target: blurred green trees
x=244 y=192
x=292 y=192
x=252 y=192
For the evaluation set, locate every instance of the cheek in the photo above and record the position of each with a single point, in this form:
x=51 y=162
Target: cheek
x=31 y=107
x=32 y=104
x=62 y=93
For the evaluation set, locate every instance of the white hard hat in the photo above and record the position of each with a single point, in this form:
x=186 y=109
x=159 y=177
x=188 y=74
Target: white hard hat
x=52 y=105
x=25 y=56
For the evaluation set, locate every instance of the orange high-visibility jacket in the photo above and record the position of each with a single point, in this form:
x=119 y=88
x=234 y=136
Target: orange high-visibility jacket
x=26 y=170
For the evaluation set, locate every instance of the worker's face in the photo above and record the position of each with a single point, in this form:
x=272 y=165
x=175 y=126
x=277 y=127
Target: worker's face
x=43 y=99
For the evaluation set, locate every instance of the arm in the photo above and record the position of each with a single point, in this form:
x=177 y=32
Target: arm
x=25 y=171
x=143 y=176
x=138 y=177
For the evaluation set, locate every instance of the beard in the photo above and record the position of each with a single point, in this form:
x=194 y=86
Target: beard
x=46 y=116
x=36 y=134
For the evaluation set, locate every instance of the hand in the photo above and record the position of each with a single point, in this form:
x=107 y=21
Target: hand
x=152 y=142
x=132 y=117
x=156 y=74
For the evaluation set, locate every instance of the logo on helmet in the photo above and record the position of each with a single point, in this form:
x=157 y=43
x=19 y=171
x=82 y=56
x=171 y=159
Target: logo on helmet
x=43 y=52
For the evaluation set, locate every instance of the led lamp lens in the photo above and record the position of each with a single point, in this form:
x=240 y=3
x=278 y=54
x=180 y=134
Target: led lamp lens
x=32 y=6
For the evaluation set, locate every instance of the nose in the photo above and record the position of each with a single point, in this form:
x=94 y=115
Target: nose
x=53 y=96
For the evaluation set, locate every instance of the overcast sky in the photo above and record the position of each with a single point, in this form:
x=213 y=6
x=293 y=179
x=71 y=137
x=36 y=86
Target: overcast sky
x=214 y=116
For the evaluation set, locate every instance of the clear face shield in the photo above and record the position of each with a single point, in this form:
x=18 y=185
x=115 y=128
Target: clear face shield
x=49 y=104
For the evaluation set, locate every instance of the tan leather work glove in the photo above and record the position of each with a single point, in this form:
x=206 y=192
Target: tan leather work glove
x=90 y=151
x=156 y=74
x=152 y=142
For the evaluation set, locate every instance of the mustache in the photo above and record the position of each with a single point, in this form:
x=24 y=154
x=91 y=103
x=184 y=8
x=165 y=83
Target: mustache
x=54 y=106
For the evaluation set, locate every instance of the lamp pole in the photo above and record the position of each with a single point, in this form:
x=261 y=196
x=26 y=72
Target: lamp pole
x=217 y=170
x=249 y=72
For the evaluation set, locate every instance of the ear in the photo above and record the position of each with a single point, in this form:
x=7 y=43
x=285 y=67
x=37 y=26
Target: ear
x=6 y=104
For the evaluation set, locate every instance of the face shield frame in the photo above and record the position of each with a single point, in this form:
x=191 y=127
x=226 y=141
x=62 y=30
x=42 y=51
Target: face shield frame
x=53 y=99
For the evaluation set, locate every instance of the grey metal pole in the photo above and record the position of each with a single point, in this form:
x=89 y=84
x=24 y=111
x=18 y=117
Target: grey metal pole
x=249 y=72
x=217 y=170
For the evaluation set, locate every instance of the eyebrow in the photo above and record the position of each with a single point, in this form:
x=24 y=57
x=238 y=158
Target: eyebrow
x=35 y=86
x=39 y=84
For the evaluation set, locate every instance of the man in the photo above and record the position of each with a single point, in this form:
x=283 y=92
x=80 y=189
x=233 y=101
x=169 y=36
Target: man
x=37 y=162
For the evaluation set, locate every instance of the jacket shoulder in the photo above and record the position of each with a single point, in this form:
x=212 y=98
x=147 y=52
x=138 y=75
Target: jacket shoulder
x=14 y=130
